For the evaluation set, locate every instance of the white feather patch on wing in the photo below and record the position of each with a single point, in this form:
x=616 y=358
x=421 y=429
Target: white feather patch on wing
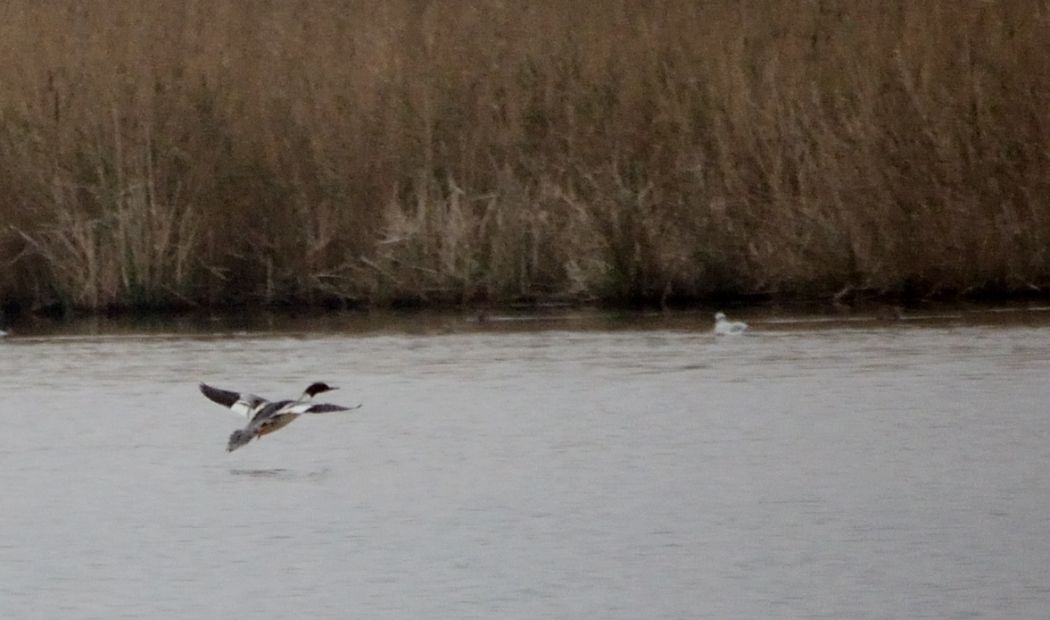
x=247 y=405
x=243 y=404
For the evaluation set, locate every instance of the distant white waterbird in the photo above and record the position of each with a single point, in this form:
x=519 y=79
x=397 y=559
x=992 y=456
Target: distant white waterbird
x=725 y=327
x=265 y=417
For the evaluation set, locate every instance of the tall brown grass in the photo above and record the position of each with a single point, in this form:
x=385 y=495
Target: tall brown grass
x=187 y=152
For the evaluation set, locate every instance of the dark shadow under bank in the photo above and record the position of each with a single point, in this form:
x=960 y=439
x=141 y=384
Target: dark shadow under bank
x=443 y=316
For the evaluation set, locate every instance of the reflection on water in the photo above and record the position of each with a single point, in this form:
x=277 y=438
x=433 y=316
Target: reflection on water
x=572 y=466
x=278 y=473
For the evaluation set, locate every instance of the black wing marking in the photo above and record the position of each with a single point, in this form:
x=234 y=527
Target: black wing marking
x=223 y=397
x=271 y=410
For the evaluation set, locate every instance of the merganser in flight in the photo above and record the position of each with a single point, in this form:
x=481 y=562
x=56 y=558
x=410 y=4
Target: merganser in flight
x=264 y=416
x=725 y=328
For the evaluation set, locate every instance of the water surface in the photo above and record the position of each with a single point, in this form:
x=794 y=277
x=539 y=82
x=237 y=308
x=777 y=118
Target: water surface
x=528 y=467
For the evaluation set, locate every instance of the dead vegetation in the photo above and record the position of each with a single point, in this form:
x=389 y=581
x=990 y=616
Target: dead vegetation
x=211 y=152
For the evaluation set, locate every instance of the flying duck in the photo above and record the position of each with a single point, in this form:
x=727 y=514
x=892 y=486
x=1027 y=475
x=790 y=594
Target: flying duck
x=265 y=416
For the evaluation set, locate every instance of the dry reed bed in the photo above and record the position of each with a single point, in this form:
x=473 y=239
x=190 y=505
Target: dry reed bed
x=219 y=151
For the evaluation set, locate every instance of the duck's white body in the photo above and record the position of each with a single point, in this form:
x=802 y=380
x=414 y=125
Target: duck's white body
x=724 y=327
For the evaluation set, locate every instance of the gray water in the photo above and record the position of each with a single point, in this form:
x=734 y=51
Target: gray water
x=546 y=469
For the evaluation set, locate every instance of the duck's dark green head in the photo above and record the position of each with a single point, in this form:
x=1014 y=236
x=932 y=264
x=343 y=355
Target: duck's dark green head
x=317 y=388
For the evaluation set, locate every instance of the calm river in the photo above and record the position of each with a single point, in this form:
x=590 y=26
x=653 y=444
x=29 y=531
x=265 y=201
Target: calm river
x=575 y=466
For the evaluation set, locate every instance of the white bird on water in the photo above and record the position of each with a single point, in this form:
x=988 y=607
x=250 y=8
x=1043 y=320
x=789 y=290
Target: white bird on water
x=725 y=327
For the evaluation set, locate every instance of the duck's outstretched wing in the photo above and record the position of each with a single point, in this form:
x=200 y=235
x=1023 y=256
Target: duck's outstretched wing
x=244 y=405
x=300 y=408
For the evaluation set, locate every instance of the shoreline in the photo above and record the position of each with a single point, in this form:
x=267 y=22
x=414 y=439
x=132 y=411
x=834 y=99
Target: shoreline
x=882 y=309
